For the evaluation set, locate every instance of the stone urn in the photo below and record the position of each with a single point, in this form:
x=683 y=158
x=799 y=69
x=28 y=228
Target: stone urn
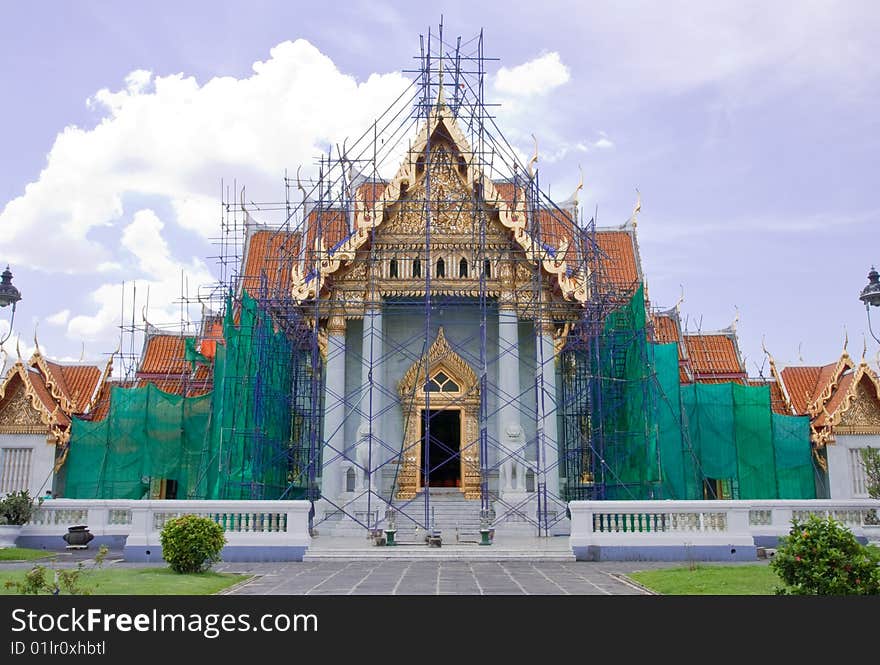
x=8 y=534
x=78 y=537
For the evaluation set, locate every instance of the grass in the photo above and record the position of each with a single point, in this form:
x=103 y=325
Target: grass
x=710 y=580
x=22 y=554
x=141 y=582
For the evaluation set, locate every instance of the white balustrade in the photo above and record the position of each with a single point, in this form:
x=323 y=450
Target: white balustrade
x=245 y=523
x=665 y=523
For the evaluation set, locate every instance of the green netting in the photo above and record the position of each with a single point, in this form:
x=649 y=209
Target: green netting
x=234 y=443
x=629 y=455
x=147 y=436
x=677 y=462
x=756 y=465
x=794 y=464
x=249 y=447
x=657 y=438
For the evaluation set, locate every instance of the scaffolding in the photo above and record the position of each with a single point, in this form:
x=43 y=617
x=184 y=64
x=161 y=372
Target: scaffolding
x=379 y=305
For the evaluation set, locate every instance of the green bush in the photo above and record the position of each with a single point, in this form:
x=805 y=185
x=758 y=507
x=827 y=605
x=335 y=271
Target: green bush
x=191 y=544
x=822 y=557
x=18 y=508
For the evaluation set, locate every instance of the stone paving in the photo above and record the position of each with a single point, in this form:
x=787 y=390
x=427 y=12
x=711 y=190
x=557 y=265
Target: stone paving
x=413 y=577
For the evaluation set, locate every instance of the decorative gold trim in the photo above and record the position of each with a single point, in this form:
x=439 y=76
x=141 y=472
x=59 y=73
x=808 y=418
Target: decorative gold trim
x=367 y=217
x=49 y=418
x=414 y=400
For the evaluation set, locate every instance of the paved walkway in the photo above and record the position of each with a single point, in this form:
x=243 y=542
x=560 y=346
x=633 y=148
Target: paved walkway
x=392 y=577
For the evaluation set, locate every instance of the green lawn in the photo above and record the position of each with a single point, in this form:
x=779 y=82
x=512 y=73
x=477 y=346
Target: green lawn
x=21 y=554
x=141 y=581
x=710 y=580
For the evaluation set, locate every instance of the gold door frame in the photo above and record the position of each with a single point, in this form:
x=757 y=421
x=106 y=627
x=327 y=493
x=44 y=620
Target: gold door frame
x=414 y=400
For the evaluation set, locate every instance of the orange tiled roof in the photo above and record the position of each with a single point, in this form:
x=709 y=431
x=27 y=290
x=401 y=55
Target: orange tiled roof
x=333 y=225
x=76 y=382
x=164 y=354
x=667 y=330
x=800 y=383
x=617 y=264
x=164 y=365
x=834 y=402
x=714 y=358
x=371 y=191
x=42 y=392
x=268 y=252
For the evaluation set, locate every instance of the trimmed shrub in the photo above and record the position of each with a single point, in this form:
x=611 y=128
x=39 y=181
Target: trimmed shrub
x=17 y=508
x=822 y=557
x=191 y=544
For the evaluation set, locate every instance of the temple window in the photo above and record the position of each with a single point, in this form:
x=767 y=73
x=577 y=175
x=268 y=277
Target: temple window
x=417 y=268
x=392 y=268
x=441 y=268
x=441 y=383
x=350 y=479
x=487 y=268
x=462 y=268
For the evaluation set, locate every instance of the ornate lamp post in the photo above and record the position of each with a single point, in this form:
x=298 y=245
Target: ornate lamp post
x=871 y=296
x=9 y=295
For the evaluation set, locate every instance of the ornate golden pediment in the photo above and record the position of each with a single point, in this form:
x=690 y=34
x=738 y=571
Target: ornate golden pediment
x=18 y=415
x=862 y=416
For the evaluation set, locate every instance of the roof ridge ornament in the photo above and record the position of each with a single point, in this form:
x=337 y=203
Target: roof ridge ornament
x=637 y=208
x=533 y=160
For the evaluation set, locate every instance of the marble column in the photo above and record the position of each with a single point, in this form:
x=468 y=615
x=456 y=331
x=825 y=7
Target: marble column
x=548 y=452
x=334 y=410
x=370 y=405
x=510 y=433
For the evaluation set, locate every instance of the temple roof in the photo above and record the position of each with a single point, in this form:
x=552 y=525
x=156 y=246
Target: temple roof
x=165 y=365
x=827 y=394
x=714 y=357
x=58 y=391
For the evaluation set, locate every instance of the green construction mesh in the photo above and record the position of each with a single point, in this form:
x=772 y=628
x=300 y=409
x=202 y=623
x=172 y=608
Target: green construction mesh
x=249 y=448
x=148 y=436
x=794 y=464
x=232 y=444
x=629 y=457
x=657 y=438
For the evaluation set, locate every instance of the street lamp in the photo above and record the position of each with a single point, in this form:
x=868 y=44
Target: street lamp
x=9 y=295
x=871 y=296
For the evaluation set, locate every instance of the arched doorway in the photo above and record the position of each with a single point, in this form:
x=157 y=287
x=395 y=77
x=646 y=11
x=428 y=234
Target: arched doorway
x=441 y=400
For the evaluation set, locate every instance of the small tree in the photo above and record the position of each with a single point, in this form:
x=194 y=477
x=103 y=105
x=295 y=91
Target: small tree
x=870 y=458
x=822 y=557
x=191 y=544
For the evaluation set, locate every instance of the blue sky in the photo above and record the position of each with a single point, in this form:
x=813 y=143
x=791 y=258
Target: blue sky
x=750 y=128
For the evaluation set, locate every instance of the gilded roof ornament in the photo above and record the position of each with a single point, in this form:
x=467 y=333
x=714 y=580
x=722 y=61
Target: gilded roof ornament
x=580 y=186
x=637 y=208
x=534 y=159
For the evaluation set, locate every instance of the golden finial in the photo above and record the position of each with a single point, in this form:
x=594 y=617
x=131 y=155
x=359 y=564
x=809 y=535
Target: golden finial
x=82 y=353
x=580 y=186
x=18 y=347
x=534 y=159
x=845 y=342
x=864 y=349
x=299 y=184
x=680 y=298
x=5 y=359
x=800 y=355
x=36 y=343
x=637 y=208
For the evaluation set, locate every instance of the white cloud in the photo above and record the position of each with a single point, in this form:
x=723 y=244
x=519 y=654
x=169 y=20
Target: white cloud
x=172 y=138
x=535 y=77
x=162 y=282
x=59 y=318
x=603 y=144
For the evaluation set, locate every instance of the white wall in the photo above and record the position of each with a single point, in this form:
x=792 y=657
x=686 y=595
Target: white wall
x=843 y=465
x=39 y=463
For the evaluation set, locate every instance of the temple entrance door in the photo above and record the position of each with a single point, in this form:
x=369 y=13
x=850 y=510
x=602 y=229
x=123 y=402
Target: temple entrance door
x=441 y=453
